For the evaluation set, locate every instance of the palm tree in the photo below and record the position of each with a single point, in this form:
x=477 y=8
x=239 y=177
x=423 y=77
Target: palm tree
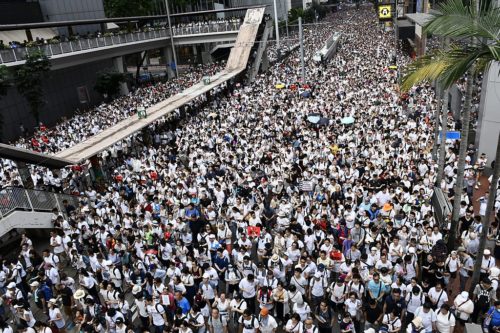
x=477 y=23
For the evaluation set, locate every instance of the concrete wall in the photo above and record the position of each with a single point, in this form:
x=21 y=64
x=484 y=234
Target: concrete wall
x=62 y=96
x=489 y=114
x=25 y=220
x=67 y=10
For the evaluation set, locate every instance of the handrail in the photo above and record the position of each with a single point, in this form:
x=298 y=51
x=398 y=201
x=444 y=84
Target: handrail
x=19 y=53
x=17 y=198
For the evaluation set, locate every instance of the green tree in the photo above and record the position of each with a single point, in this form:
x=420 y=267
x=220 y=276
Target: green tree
x=479 y=23
x=108 y=83
x=29 y=81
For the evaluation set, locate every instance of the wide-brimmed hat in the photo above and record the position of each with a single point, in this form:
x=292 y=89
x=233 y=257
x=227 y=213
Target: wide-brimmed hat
x=79 y=294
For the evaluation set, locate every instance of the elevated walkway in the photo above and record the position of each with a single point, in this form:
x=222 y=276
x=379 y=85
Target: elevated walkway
x=329 y=48
x=72 y=53
x=237 y=63
x=260 y=51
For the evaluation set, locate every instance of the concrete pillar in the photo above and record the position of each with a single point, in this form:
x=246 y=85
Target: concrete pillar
x=169 y=59
x=206 y=56
x=265 y=62
x=119 y=67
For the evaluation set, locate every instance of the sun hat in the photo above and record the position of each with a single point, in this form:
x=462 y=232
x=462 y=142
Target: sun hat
x=79 y=294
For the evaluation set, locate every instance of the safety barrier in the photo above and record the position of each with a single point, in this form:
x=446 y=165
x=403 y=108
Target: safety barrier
x=16 y=198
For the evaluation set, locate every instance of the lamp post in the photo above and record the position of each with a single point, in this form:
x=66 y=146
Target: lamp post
x=277 y=29
x=171 y=38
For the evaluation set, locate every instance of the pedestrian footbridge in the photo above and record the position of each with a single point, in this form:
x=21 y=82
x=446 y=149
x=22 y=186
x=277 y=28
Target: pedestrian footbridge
x=85 y=50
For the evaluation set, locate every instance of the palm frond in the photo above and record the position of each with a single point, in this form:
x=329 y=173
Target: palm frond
x=447 y=66
x=455 y=19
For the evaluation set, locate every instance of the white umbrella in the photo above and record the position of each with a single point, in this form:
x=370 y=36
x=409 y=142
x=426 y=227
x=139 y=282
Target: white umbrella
x=347 y=120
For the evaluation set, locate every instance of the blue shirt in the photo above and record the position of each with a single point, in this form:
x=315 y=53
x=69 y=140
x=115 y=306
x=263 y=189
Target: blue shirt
x=184 y=305
x=376 y=288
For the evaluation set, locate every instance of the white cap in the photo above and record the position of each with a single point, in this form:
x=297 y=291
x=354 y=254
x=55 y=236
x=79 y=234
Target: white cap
x=136 y=289
x=494 y=272
x=11 y=285
x=487 y=252
x=464 y=294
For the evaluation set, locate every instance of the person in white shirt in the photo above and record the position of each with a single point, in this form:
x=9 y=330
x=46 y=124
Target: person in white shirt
x=248 y=323
x=428 y=317
x=248 y=288
x=438 y=296
x=392 y=321
x=157 y=315
x=445 y=320
x=267 y=323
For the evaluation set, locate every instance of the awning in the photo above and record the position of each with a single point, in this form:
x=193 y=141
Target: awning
x=20 y=35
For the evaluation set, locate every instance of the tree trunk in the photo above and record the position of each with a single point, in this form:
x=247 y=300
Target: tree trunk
x=442 y=147
x=437 y=121
x=139 y=65
x=487 y=218
x=464 y=137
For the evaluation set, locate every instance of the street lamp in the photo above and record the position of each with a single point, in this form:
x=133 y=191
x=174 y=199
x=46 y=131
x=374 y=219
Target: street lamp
x=172 y=38
x=277 y=29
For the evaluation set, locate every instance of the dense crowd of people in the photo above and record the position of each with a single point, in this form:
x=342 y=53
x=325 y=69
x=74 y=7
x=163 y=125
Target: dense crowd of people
x=259 y=220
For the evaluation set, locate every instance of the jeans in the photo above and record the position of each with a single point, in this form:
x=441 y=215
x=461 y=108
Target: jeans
x=158 y=329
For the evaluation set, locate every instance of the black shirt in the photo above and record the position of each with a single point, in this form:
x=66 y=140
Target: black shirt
x=66 y=294
x=372 y=314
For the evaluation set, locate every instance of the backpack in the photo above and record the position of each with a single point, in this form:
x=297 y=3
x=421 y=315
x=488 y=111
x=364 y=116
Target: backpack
x=483 y=297
x=252 y=325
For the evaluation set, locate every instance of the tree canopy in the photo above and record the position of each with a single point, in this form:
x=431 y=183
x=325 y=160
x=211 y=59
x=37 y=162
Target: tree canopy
x=475 y=38
x=29 y=80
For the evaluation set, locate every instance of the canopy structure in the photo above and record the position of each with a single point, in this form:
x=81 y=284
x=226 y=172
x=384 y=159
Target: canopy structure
x=31 y=157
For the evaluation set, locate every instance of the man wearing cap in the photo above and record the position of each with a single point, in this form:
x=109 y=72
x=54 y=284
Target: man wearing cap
x=464 y=307
x=267 y=322
x=487 y=263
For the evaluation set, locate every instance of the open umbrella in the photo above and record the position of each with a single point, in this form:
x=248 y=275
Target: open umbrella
x=279 y=86
x=324 y=122
x=314 y=118
x=212 y=115
x=347 y=120
x=305 y=94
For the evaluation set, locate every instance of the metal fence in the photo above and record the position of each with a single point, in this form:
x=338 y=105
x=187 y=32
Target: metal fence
x=19 y=53
x=15 y=198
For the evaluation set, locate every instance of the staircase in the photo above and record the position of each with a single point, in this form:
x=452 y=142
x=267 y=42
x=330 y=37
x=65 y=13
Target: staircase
x=30 y=209
x=260 y=51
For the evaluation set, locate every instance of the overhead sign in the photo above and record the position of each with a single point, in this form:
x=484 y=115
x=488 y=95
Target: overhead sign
x=384 y=12
x=451 y=135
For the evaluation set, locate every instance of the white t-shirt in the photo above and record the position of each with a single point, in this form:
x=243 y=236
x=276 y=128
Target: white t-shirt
x=444 y=322
x=57 y=248
x=440 y=296
x=248 y=288
x=249 y=326
x=156 y=311
x=267 y=324
x=427 y=318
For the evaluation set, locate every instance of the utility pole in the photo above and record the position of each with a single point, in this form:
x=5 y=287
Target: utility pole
x=276 y=25
x=171 y=38
x=301 y=39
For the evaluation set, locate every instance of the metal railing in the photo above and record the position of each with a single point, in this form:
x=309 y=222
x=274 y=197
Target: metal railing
x=19 y=53
x=15 y=198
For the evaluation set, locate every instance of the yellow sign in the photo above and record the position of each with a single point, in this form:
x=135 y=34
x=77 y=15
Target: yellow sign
x=384 y=12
